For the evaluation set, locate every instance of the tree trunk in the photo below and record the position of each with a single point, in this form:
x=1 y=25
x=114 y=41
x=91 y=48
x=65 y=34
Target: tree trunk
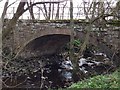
x=31 y=10
x=12 y=22
x=57 y=14
x=49 y=15
x=46 y=14
x=4 y=11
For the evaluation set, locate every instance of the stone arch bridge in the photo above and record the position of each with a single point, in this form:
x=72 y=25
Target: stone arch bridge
x=32 y=39
x=36 y=39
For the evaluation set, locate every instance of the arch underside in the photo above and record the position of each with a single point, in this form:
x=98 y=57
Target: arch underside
x=45 y=45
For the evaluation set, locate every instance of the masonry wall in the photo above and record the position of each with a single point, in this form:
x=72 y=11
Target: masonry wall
x=26 y=31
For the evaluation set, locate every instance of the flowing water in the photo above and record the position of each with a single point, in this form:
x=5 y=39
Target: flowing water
x=54 y=71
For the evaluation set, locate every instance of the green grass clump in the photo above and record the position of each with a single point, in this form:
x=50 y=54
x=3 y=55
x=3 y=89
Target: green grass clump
x=106 y=82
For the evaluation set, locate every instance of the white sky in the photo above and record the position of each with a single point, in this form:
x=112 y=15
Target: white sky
x=38 y=14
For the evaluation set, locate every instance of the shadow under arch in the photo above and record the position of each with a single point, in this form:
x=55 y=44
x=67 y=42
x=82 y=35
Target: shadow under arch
x=44 y=45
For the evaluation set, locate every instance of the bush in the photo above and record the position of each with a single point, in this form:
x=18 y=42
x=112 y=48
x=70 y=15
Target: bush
x=102 y=82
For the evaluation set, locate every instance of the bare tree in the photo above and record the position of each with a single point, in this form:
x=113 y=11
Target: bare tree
x=31 y=10
x=57 y=14
x=5 y=10
x=72 y=31
x=12 y=22
x=63 y=10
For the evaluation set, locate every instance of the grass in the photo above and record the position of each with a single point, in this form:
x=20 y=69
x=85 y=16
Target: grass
x=102 y=82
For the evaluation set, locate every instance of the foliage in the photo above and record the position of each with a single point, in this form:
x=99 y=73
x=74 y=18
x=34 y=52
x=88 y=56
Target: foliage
x=101 y=81
x=77 y=42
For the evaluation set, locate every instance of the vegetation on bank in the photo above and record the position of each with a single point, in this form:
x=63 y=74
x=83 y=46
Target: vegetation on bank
x=106 y=82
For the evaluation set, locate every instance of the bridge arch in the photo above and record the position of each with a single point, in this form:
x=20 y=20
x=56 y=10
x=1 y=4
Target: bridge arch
x=44 y=45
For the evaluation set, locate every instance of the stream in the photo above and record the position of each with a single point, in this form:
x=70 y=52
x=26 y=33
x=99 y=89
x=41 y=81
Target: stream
x=53 y=71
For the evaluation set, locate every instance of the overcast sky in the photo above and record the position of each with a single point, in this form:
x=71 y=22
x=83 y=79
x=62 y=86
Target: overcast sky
x=76 y=3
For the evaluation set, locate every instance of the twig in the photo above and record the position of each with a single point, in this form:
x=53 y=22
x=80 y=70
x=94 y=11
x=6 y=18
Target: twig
x=14 y=85
x=12 y=3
